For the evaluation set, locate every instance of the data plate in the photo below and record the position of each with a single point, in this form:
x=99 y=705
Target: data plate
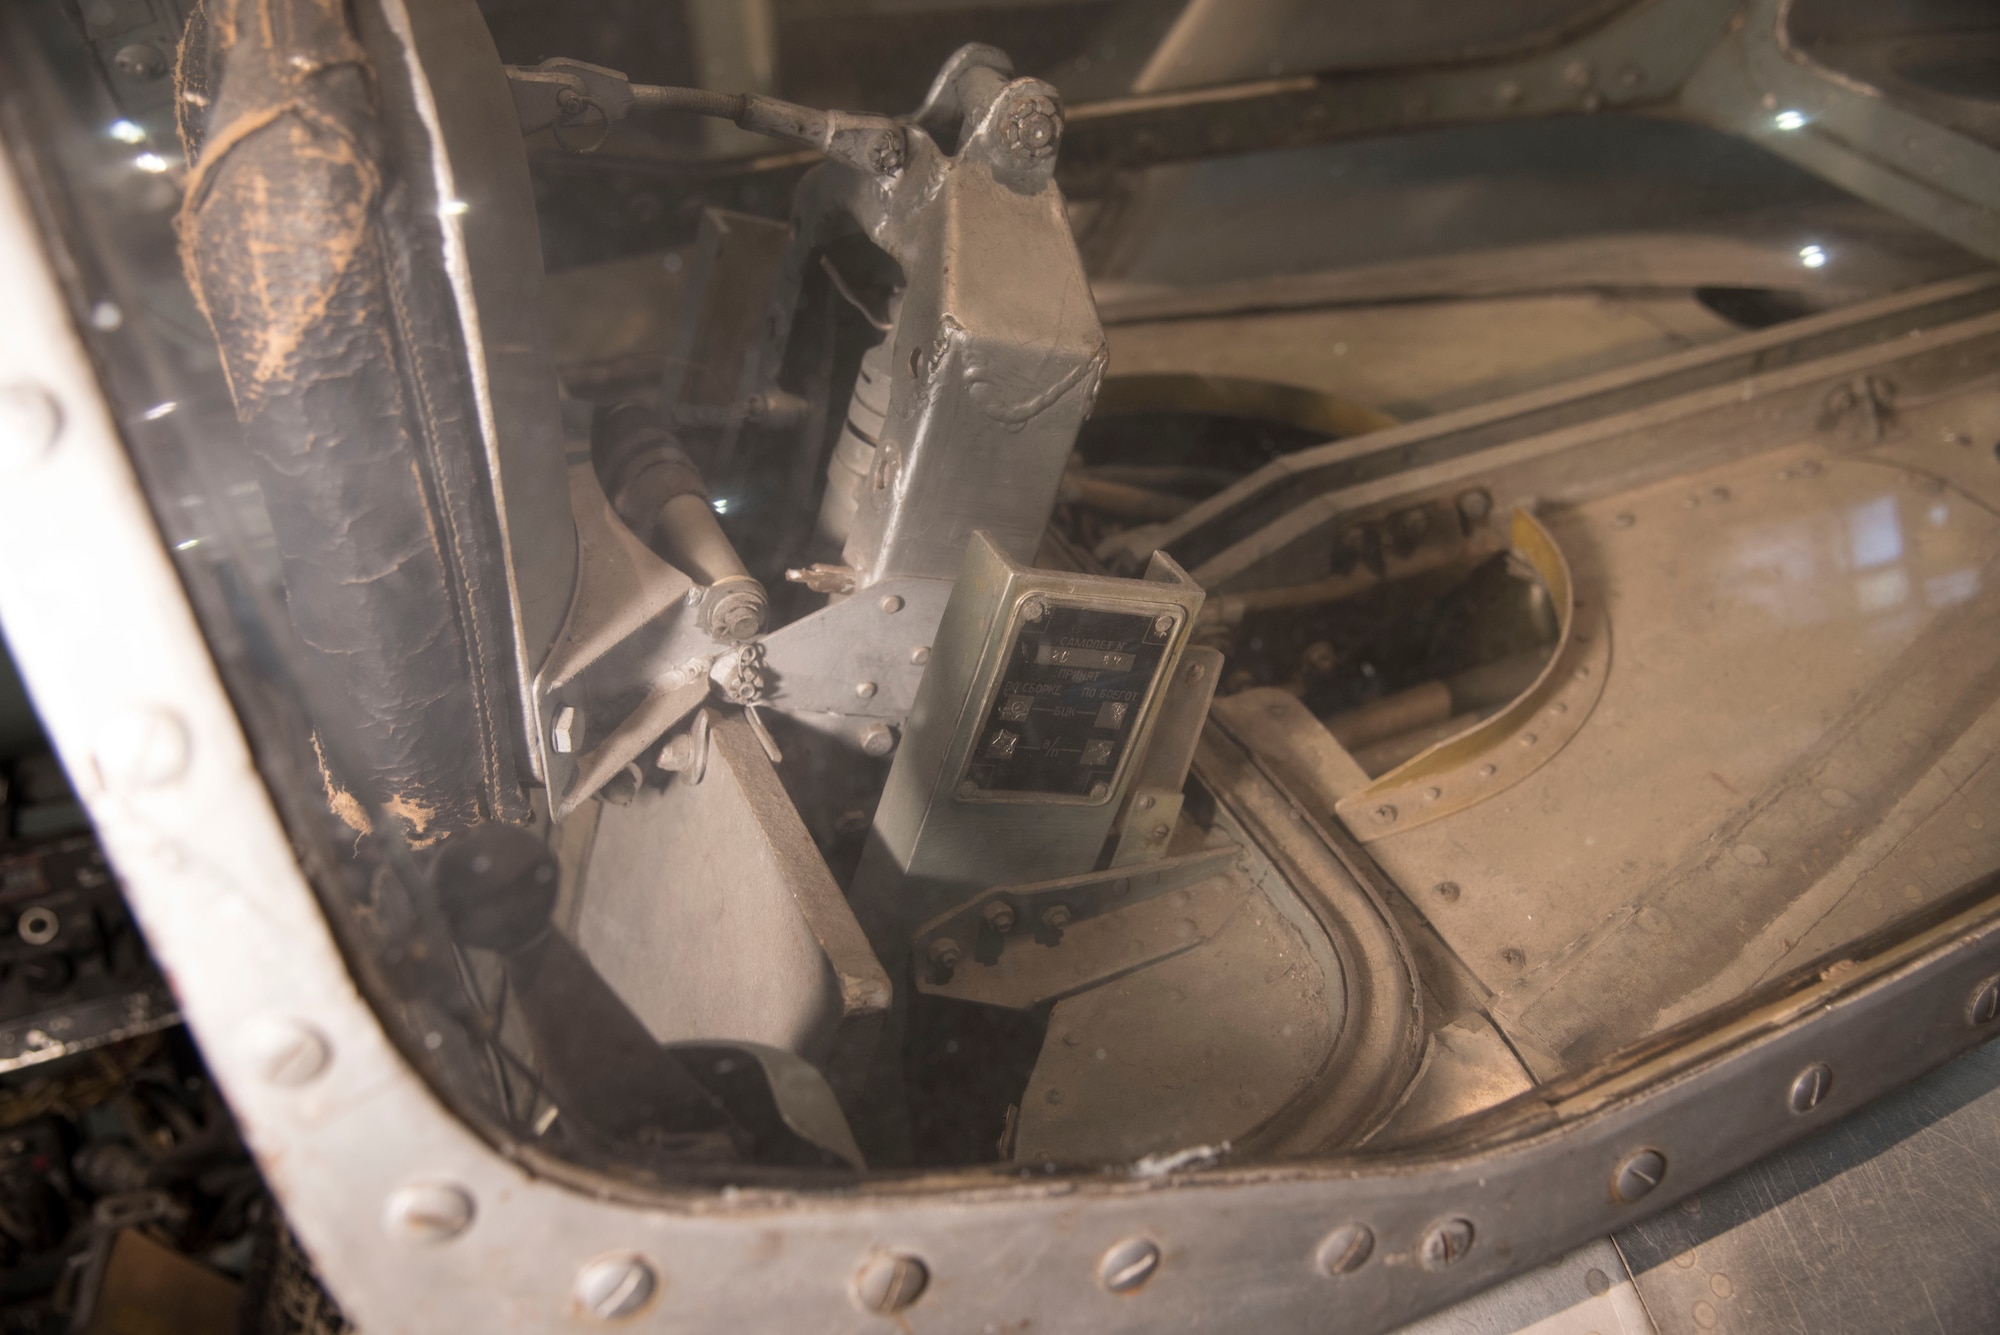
x=1076 y=683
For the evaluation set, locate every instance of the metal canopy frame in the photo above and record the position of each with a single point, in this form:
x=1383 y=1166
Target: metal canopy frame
x=421 y=1225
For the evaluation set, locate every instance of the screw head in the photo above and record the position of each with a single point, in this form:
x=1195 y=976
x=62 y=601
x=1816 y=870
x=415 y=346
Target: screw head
x=1195 y=672
x=284 y=1051
x=1384 y=814
x=1345 y=1250
x=1158 y=834
x=1163 y=625
x=1127 y=1266
x=1986 y=1002
x=1637 y=1174
x=1445 y=1243
x=1811 y=1086
x=140 y=746
x=1034 y=610
x=889 y=1282
x=1448 y=891
x=30 y=421
x=999 y=915
x=1099 y=791
x=878 y=739
x=428 y=1212
x=615 y=1286
x=140 y=60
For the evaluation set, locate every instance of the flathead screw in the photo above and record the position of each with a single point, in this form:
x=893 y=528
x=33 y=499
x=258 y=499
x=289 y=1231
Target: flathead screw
x=1445 y=1244
x=615 y=1286
x=889 y=1282
x=1128 y=1265
x=1811 y=1087
x=1638 y=1173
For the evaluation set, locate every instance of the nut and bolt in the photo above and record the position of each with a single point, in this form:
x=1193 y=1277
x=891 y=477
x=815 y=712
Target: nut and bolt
x=1638 y=1173
x=1445 y=1243
x=1986 y=1002
x=429 y=1212
x=1811 y=1086
x=30 y=421
x=738 y=617
x=1033 y=127
x=1345 y=1250
x=999 y=915
x=286 y=1052
x=889 y=1282
x=1056 y=917
x=945 y=953
x=615 y=1286
x=566 y=731
x=1128 y=1265
x=878 y=739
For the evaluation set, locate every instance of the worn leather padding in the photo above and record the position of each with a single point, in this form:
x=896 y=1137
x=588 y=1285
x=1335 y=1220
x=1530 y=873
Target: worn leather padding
x=337 y=337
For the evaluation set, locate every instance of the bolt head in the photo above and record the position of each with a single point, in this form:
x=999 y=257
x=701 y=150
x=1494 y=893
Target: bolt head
x=889 y=1282
x=1445 y=1243
x=1345 y=1250
x=284 y=1051
x=1637 y=1174
x=1810 y=1087
x=612 y=1287
x=1127 y=1266
x=565 y=732
x=428 y=1212
x=878 y=739
x=30 y=421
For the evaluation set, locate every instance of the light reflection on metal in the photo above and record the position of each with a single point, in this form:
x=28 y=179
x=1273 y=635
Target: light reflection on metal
x=1789 y=120
x=125 y=132
x=150 y=162
x=1813 y=257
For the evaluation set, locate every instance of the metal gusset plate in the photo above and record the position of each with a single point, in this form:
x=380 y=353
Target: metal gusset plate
x=1021 y=945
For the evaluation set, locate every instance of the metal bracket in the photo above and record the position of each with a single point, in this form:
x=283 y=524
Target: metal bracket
x=1019 y=946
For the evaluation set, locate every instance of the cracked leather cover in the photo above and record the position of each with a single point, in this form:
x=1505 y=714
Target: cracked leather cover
x=339 y=340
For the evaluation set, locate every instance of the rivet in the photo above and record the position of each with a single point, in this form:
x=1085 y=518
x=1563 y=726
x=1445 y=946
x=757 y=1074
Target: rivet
x=920 y=655
x=878 y=739
x=1145 y=802
x=1986 y=1002
x=30 y=421
x=1448 y=891
x=1128 y=1265
x=140 y=746
x=1195 y=672
x=1158 y=834
x=615 y=1286
x=892 y=604
x=889 y=1282
x=1638 y=1173
x=1445 y=1243
x=865 y=689
x=284 y=1051
x=1384 y=814
x=428 y=1212
x=1513 y=957
x=1811 y=1087
x=1345 y=1250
